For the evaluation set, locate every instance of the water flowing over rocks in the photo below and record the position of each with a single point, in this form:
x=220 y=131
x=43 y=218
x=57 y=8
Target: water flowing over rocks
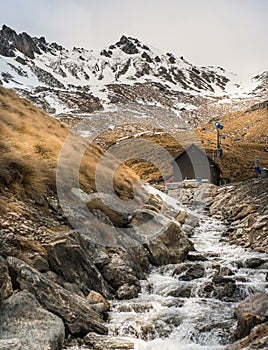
x=194 y=304
x=163 y=292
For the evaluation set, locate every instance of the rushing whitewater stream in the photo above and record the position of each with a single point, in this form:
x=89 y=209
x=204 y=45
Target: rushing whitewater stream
x=185 y=306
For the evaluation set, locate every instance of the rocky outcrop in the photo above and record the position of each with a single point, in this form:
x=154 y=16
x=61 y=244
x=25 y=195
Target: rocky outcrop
x=78 y=316
x=251 y=312
x=126 y=44
x=123 y=272
x=26 y=325
x=257 y=339
x=10 y=41
x=70 y=256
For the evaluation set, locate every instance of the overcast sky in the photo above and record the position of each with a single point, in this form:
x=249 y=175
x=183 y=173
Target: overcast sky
x=227 y=33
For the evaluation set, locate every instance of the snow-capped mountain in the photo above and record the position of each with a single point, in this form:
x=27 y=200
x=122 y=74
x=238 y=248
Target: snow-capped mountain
x=79 y=81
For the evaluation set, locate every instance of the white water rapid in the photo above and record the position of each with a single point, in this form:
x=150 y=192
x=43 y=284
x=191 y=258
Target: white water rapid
x=174 y=312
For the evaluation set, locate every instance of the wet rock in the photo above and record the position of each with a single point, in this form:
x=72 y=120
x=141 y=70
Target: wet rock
x=194 y=272
x=191 y=220
x=182 y=291
x=126 y=267
x=22 y=317
x=193 y=256
x=78 y=316
x=5 y=281
x=251 y=312
x=254 y=262
x=127 y=291
x=257 y=339
x=98 y=342
x=10 y=344
x=180 y=269
x=222 y=280
x=207 y=290
x=189 y=230
x=225 y=271
x=95 y=297
x=224 y=287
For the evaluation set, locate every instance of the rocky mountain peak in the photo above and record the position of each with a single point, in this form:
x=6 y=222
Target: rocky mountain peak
x=23 y=42
x=130 y=45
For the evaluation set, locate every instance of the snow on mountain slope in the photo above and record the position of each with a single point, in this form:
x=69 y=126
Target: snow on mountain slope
x=77 y=81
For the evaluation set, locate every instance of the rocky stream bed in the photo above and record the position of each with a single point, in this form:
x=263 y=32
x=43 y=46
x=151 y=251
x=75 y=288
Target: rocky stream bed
x=190 y=287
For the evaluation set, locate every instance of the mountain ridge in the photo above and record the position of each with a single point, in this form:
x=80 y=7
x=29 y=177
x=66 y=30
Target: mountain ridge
x=73 y=82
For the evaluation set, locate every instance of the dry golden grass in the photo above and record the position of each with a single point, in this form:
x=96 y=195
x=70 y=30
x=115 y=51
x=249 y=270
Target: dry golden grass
x=245 y=137
x=30 y=144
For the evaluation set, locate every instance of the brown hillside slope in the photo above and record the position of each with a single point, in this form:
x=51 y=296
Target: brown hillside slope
x=245 y=135
x=30 y=145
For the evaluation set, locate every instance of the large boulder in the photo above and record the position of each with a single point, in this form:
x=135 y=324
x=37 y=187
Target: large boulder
x=257 y=339
x=251 y=312
x=24 y=324
x=162 y=237
x=78 y=316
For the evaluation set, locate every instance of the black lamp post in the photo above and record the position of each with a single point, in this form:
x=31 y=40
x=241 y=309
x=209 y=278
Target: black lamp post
x=219 y=127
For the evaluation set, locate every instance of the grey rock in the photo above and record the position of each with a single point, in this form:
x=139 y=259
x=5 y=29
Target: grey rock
x=123 y=269
x=22 y=317
x=10 y=344
x=127 y=291
x=251 y=312
x=183 y=291
x=99 y=342
x=162 y=237
x=257 y=339
x=194 y=272
x=71 y=257
x=193 y=256
x=254 y=262
x=5 y=280
x=76 y=313
x=39 y=263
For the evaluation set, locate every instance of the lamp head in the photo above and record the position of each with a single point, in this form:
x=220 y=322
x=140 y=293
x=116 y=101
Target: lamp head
x=219 y=125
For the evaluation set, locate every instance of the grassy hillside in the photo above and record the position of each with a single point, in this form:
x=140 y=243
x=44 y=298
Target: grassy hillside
x=30 y=145
x=245 y=136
